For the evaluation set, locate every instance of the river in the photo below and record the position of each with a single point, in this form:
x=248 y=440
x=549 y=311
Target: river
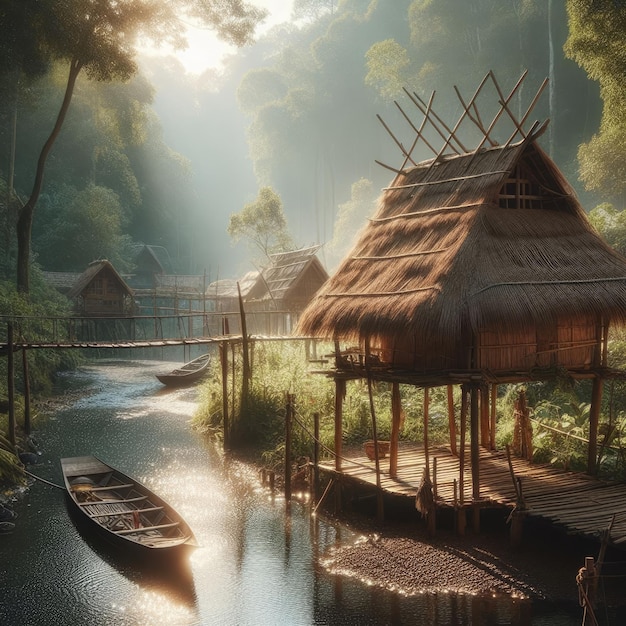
x=256 y=564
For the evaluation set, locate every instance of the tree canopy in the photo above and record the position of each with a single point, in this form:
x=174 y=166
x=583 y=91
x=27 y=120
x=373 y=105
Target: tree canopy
x=262 y=223
x=100 y=37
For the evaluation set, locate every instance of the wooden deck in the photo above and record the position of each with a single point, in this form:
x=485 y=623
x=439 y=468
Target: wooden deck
x=576 y=502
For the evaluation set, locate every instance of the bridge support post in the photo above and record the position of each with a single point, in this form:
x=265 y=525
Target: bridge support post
x=11 y=384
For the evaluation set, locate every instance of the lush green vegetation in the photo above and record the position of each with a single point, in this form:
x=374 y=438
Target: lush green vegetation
x=280 y=369
x=43 y=365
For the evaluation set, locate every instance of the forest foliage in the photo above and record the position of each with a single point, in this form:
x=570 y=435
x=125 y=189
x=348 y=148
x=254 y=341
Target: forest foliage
x=293 y=113
x=170 y=167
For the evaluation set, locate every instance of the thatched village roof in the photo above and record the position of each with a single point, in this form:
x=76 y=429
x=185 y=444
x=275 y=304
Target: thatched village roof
x=443 y=252
x=290 y=281
x=225 y=289
x=61 y=281
x=92 y=271
x=473 y=253
x=292 y=278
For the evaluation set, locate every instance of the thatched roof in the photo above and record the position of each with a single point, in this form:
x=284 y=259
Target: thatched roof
x=226 y=288
x=442 y=255
x=93 y=269
x=61 y=281
x=285 y=278
x=179 y=283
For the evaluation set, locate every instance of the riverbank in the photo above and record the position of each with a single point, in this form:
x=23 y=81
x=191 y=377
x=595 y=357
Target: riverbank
x=402 y=558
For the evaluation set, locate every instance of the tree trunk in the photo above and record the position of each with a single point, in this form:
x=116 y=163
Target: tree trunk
x=25 y=219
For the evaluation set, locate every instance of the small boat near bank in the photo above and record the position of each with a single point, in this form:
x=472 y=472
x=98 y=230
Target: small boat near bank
x=187 y=374
x=122 y=510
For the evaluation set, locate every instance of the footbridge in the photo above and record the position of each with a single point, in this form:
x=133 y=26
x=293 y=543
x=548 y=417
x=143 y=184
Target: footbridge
x=185 y=329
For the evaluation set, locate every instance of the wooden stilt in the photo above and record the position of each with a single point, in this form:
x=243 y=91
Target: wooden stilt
x=396 y=416
x=463 y=420
x=451 y=420
x=594 y=417
x=485 y=429
x=380 y=513
x=475 y=453
x=340 y=392
x=494 y=397
x=426 y=408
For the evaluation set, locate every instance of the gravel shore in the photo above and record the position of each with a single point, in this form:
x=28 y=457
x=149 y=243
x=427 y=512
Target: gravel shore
x=404 y=559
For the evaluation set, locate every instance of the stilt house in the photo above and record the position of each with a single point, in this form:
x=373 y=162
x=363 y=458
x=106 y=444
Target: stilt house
x=479 y=267
x=101 y=292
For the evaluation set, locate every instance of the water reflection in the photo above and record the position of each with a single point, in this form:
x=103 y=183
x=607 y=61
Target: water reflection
x=257 y=561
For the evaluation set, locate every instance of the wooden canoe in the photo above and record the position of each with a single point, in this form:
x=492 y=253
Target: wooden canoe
x=122 y=510
x=187 y=374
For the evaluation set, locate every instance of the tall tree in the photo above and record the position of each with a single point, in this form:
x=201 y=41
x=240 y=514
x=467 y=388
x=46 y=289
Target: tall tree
x=262 y=223
x=596 y=42
x=99 y=37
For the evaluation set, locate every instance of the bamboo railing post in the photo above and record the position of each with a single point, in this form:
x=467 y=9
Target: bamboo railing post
x=11 y=384
x=316 y=456
x=288 y=419
x=223 y=348
x=26 y=391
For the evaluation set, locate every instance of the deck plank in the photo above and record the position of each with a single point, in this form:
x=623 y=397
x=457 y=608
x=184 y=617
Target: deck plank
x=577 y=502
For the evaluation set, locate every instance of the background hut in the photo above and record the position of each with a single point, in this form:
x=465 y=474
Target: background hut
x=101 y=292
x=287 y=286
x=479 y=267
x=150 y=262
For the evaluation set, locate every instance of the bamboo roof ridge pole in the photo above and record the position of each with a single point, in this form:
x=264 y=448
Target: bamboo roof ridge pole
x=419 y=132
x=420 y=104
x=452 y=135
x=495 y=119
x=398 y=143
x=477 y=120
x=531 y=106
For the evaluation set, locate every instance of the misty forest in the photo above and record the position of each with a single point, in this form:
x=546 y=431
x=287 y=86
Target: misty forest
x=148 y=154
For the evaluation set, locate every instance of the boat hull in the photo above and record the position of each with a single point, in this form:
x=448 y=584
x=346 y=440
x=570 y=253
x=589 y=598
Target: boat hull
x=121 y=511
x=188 y=374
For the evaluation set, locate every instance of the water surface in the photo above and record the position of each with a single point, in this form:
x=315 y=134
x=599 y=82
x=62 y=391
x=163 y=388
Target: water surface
x=256 y=565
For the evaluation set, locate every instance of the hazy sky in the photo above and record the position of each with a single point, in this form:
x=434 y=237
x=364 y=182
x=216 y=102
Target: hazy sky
x=206 y=50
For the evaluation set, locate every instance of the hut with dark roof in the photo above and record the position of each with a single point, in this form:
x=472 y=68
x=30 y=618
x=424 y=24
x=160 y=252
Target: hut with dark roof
x=101 y=292
x=479 y=267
